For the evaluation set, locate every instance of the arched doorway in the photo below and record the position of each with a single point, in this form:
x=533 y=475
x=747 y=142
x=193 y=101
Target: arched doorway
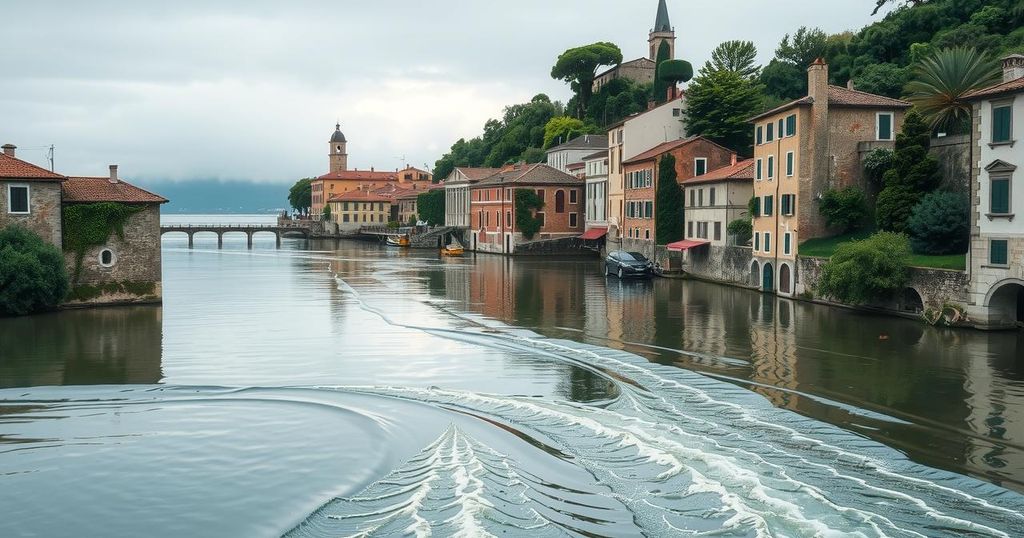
x=910 y=301
x=1006 y=303
x=755 y=274
x=785 y=277
x=768 y=278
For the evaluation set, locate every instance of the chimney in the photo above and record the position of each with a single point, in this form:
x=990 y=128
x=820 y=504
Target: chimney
x=817 y=80
x=113 y=173
x=9 y=149
x=733 y=159
x=849 y=85
x=1013 y=68
x=371 y=169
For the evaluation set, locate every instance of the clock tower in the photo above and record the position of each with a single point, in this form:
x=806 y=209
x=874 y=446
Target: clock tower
x=338 y=151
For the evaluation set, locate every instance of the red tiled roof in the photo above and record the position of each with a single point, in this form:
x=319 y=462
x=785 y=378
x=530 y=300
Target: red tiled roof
x=839 y=96
x=361 y=175
x=14 y=168
x=534 y=174
x=740 y=170
x=665 y=148
x=359 y=196
x=1011 y=86
x=100 y=189
x=476 y=174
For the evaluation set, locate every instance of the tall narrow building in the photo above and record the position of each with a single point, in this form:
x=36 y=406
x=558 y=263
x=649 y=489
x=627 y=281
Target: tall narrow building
x=338 y=150
x=662 y=33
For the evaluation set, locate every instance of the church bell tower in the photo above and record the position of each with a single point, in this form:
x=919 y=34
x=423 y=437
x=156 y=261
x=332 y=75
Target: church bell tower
x=338 y=151
x=662 y=33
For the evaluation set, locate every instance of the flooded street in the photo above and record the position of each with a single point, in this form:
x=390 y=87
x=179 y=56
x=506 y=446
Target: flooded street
x=329 y=389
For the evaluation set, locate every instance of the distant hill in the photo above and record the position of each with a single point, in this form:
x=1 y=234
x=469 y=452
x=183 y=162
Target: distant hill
x=201 y=196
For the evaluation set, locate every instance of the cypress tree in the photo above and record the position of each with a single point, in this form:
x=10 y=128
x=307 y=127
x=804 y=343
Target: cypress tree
x=668 y=203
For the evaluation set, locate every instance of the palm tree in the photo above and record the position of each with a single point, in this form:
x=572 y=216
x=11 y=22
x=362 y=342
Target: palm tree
x=940 y=81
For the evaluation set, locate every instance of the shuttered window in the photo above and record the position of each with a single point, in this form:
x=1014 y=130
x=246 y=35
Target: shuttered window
x=757 y=206
x=771 y=132
x=885 y=126
x=759 y=169
x=757 y=241
x=786 y=243
x=1001 y=116
x=1000 y=196
x=997 y=252
x=791 y=125
x=789 y=163
x=760 y=135
x=771 y=166
x=769 y=203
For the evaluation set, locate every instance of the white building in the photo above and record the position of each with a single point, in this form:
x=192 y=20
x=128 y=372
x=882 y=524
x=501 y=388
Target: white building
x=456 y=193
x=573 y=151
x=715 y=199
x=996 y=294
x=596 y=198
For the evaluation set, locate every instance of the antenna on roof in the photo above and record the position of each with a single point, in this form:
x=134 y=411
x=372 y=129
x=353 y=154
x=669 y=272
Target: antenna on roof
x=49 y=156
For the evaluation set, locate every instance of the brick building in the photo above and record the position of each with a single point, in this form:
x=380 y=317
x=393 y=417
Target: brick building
x=694 y=156
x=802 y=149
x=492 y=207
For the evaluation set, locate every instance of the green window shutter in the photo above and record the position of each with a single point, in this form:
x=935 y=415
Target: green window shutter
x=1001 y=123
x=757 y=241
x=997 y=252
x=786 y=240
x=885 y=126
x=771 y=132
x=769 y=203
x=1000 y=196
x=782 y=123
x=791 y=125
x=771 y=167
x=760 y=135
x=789 y=163
x=757 y=206
x=759 y=169
x=785 y=204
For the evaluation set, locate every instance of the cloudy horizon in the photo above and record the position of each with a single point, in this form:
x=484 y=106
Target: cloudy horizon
x=252 y=91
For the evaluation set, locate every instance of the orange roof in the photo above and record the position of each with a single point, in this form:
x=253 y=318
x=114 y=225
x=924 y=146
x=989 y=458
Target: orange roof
x=361 y=175
x=476 y=174
x=100 y=189
x=360 y=196
x=839 y=96
x=14 y=168
x=743 y=170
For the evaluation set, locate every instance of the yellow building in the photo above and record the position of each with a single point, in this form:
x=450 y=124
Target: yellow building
x=801 y=150
x=355 y=209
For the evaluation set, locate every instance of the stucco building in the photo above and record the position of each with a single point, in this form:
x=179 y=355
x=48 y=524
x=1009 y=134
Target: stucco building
x=596 y=199
x=694 y=156
x=996 y=256
x=715 y=199
x=564 y=156
x=802 y=149
x=355 y=209
x=456 y=193
x=493 y=214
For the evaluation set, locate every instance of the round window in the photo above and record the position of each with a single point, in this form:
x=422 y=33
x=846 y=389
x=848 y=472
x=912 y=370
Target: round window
x=107 y=257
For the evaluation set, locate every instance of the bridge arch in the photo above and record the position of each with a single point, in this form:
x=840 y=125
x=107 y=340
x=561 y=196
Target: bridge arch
x=1005 y=302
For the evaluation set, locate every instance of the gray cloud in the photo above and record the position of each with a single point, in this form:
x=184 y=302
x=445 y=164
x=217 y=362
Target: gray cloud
x=251 y=90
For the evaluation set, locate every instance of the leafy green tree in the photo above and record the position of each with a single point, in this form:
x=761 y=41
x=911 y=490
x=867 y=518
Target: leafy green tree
x=675 y=72
x=783 y=80
x=325 y=215
x=845 y=208
x=913 y=174
x=718 y=106
x=883 y=79
x=877 y=163
x=578 y=67
x=300 y=196
x=33 y=276
x=430 y=206
x=660 y=84
x=668 y=204
x=941 y=80
x=742 y=230
x=561 y=129
x=939 y=224
x=881 y=3
x=527 y=203
x=534 y=155
x=737 y=56
x=617 y=99
x=862 y=271
x=803 y=47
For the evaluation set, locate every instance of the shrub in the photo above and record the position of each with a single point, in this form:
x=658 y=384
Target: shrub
x=527 y=201
x=430 y=204
x=893 y=207
x=845 y=208
x=743 y=229
x=32 y=273
x=325 y=215
x=877 y=163
x=913 y=173
x=939 y=224
x=861 y=271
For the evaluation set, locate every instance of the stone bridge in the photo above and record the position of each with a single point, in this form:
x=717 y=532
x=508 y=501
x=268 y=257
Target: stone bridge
x=248 y=229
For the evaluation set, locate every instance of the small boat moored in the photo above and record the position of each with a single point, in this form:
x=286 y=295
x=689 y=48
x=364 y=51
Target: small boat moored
x=397 y=240
x=452 y=249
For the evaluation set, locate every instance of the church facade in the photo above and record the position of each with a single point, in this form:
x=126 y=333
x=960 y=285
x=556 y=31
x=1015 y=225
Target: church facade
x=661 y=42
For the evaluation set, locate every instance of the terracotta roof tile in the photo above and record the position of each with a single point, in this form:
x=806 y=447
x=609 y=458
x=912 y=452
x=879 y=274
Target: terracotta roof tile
x=361 y=175
x=839 y=96
x=359 y=196
x=476 y=174
x=740 y=171
x=667 y=147
x=100 y=189
x=534 y=174
x=14 y=168
x=1011 y=86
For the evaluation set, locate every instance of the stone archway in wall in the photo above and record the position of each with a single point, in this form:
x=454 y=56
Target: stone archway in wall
x=785 y=279
x=768 y=278
x=911 y=301
x=1005 y=303
x=755 y=274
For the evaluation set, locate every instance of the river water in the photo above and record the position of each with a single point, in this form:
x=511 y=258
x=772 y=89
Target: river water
x=333 y=389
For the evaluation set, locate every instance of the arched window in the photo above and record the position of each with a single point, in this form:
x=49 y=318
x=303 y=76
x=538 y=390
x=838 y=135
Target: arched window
x=755 y=273
x=559 y=201
x=107 y=258
x=784 y=278
x=768 y=278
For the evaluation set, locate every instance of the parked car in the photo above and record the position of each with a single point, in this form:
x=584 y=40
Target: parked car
x=628 y=264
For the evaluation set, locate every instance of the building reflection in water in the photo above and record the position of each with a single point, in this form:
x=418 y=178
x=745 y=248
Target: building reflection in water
x=120 y=345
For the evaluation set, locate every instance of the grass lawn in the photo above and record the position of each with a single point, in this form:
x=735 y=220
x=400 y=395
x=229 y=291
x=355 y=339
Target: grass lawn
x=824 y=248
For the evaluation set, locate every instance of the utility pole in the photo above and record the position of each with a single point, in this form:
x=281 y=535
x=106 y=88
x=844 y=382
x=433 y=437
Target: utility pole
x=49 y=156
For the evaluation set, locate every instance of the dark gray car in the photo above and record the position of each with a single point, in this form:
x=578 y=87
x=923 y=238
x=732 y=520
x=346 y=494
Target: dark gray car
x=628 y=264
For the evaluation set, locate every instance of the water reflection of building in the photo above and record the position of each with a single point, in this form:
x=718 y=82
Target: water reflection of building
x=83 y=347
x=995 y=404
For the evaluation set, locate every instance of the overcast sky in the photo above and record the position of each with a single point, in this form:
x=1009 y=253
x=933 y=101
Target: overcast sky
x=251 y=90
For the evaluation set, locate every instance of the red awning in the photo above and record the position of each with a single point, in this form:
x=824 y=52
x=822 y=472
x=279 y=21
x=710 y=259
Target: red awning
x=594 y=233
x=687 y=244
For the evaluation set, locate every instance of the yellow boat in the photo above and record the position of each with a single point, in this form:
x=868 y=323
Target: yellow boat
x=453 y=249
x=398 y=240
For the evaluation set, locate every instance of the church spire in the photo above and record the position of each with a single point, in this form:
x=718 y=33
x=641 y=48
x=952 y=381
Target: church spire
x=661 y=23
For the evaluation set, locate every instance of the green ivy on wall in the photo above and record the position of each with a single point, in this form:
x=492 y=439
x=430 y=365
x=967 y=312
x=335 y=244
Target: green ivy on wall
x=90 y=225
x=527 y=202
